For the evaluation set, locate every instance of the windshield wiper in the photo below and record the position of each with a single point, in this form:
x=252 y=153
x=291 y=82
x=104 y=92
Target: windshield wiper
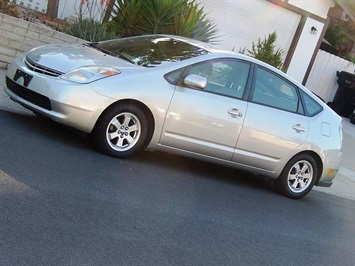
x=124 y=57
x=116 y=54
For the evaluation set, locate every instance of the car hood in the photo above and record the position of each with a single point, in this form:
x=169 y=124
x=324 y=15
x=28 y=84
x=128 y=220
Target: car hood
x=63 y=58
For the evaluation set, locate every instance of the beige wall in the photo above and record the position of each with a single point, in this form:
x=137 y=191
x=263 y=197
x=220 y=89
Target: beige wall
x=304 y=50
x=241 y=22
x=18 y=36
x=317 y=7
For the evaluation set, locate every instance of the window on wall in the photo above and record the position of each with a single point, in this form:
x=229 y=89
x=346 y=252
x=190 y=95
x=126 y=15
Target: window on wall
x=22 y=3
x=225 y=76
x=271 y=90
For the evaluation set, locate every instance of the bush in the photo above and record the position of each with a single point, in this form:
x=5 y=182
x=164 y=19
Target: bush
x=177 y=17
x=265 y=51
x=340 y=34
x=350 y=58
x=8 y=8
x=89 y=29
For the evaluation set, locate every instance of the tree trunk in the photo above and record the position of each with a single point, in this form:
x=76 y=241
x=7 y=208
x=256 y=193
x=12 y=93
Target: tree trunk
x=52 y=9
x=108 y=11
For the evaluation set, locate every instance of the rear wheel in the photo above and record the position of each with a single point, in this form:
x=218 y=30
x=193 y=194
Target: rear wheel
x=121 y=130
x=298 y=176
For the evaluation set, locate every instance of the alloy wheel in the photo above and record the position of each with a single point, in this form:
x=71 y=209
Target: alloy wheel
x=123 y=131
x=300 y=176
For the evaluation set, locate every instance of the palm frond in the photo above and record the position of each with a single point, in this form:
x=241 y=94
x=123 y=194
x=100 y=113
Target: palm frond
x=179 y=17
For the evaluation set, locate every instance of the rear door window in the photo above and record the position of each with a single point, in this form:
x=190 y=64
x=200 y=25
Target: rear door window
x=272 y=90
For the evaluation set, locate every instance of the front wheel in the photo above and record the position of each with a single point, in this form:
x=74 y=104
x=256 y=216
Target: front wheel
x=298 y=176
x=121 y=130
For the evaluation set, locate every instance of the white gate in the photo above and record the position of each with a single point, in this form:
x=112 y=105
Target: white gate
x=322 y=79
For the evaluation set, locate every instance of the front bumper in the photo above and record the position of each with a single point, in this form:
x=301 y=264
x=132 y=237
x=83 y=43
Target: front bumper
x=72 y=104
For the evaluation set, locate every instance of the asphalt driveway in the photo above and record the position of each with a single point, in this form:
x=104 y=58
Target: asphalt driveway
x=64 y=203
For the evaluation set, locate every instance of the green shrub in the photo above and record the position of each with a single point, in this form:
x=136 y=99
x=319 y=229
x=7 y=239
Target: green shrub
x=265 y=51
x=350 y=58
x=89 y=29
x=341 y=35
x=178 y=17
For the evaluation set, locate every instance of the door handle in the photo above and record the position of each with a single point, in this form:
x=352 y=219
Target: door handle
x=234 y=112
x=298 y=128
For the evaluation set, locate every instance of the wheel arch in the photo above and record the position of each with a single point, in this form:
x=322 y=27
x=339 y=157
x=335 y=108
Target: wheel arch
x=293 y=189
x=318 y=160
x=143 y=107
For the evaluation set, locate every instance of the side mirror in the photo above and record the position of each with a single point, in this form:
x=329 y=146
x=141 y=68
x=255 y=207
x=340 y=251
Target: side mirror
x=195 y=81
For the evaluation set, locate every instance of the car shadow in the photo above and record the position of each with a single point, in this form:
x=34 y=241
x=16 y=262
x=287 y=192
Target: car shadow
x=204 y=169
x=74 y=139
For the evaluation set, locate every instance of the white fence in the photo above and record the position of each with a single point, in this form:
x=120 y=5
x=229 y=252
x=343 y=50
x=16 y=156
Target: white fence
x=322 y=79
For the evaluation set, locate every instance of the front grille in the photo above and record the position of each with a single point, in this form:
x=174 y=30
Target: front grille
x=28 y=95
x=41 y=69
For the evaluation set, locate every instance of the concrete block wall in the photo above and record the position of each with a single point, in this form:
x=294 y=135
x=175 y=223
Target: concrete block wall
x=18 y=36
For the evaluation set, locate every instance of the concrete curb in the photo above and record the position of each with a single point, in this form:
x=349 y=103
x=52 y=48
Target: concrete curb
x=344 y=183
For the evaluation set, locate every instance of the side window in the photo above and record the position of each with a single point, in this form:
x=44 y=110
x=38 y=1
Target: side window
x=226 y=77
x=173 y=77
x=272 y=90
x=310 y=105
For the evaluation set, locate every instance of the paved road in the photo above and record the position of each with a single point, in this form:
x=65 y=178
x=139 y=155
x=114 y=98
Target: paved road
x=63 y=203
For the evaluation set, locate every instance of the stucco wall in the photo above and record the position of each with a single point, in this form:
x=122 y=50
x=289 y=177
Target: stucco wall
x=305 y=49
x=18 y=36
x=317 y=7
x=240 y=23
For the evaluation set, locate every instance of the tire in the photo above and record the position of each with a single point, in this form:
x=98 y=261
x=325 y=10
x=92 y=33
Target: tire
x=121 y=131
x=298 y=177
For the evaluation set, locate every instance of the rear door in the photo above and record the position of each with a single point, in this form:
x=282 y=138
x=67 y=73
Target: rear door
x=274 y=124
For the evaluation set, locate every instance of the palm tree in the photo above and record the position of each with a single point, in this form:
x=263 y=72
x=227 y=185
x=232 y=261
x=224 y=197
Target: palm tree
x=109 y=7
x=179 y=17
x=52 y=9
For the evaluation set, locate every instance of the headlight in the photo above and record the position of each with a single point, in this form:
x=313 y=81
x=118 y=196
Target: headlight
x=89 y=74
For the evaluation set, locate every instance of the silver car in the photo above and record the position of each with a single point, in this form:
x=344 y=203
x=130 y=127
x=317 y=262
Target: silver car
x=169 y=93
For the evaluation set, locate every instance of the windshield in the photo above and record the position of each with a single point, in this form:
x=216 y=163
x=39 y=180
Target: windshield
x=150 y=51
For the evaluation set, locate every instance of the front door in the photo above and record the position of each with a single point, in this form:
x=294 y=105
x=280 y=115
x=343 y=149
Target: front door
x=209 y=121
